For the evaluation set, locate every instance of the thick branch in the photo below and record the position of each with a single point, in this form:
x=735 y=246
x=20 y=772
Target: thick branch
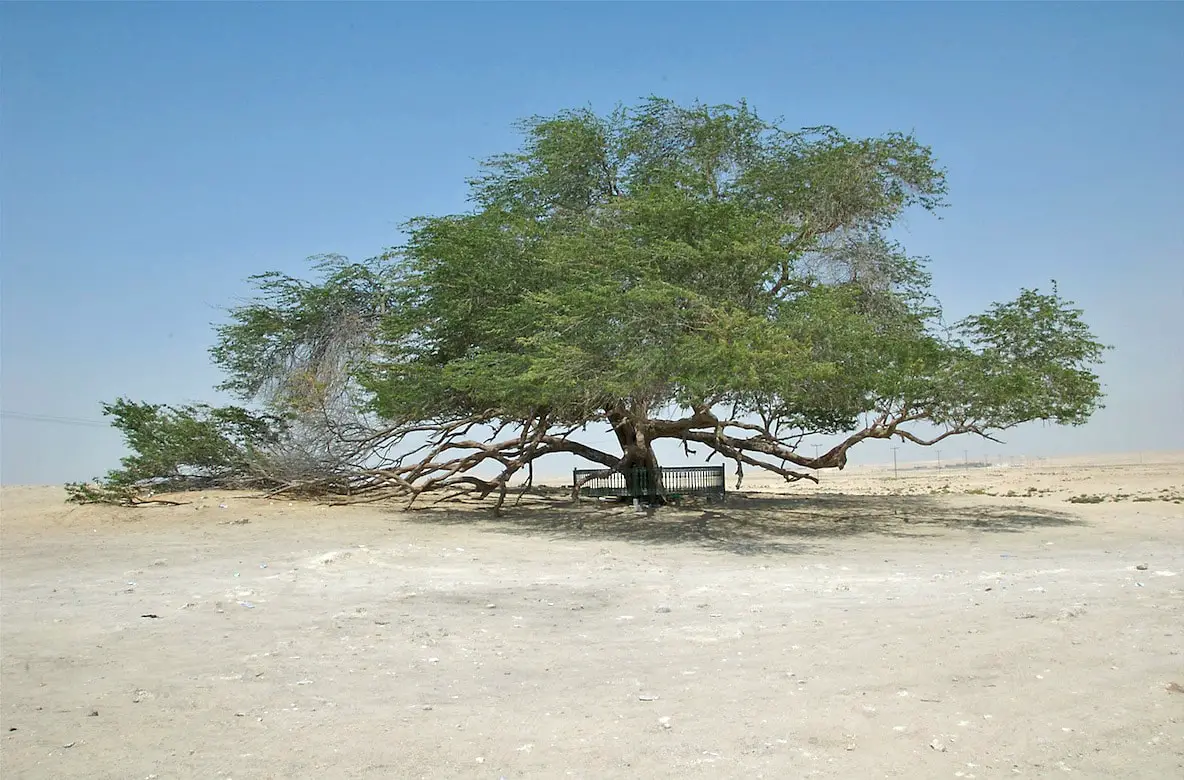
x=764 y=442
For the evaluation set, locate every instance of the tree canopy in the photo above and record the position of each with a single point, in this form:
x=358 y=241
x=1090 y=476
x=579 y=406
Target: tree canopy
x=689 y=273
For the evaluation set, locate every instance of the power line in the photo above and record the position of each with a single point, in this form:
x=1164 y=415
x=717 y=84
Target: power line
x=50 y=418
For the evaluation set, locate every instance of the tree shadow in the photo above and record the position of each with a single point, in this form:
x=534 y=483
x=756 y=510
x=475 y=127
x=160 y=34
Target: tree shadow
x=750 y=524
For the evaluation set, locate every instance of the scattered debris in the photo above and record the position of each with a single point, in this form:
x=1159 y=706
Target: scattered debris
x=92 y=714
x=1175 y=687
x=1142 y=567
x=246 y=604
x=664 y=722
x=647 y=697
x=151 y=616
x=69 y=744
x=662 y=610
x=938 y=745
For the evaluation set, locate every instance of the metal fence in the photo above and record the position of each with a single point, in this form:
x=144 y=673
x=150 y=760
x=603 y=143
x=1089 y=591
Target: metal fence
x=676 y=481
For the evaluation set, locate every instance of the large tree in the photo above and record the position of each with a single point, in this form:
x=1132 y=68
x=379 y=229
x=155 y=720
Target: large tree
x=687 y=273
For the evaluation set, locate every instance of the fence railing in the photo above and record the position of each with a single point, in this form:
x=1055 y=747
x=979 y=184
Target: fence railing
x=638 y=483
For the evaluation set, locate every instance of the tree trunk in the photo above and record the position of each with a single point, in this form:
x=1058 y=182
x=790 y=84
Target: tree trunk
x=640 y=463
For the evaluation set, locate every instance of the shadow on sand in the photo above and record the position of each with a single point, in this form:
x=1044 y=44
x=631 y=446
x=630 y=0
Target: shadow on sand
x=750 y=524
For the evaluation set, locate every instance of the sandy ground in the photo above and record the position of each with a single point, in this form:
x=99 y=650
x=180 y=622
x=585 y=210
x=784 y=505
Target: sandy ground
x=925 y=626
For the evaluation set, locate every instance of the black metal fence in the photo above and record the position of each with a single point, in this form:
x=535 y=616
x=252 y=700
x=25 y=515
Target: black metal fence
x=637 y=483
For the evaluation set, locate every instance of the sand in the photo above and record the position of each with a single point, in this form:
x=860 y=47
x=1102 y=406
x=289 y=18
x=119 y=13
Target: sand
x=961 y=623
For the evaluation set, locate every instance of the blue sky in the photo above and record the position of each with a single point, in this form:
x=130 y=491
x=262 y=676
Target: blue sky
x=155 y=155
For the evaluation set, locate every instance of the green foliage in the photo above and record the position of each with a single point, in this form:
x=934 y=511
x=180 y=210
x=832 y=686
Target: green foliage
x=1031 y=360
x=665 y=256
x=103 y=492
x=296 y=341
x=175 y=448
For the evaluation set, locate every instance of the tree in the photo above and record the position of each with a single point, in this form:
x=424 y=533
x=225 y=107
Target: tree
x=688 y=273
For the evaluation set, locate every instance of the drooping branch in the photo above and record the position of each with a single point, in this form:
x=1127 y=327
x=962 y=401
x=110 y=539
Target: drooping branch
x=445 y=462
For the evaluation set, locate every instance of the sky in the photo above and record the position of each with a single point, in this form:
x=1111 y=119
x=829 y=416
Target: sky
x=153 y=156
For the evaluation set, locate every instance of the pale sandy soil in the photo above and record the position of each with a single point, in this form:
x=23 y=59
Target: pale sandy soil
x=915 y=627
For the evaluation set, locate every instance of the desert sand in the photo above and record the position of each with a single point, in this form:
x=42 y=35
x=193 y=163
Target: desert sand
x=953 y=623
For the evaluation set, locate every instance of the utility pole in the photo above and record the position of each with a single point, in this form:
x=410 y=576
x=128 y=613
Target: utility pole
x=966 y=459
x=939 y=460
x=816 y=448
x=895 y=473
